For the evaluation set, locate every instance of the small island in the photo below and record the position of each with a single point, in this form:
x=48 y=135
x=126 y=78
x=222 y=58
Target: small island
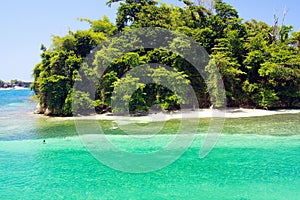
x=170 y=144
x=259 y=63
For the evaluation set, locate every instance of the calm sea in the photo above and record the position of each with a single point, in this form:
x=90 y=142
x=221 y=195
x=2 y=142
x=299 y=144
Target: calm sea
x=255 y=158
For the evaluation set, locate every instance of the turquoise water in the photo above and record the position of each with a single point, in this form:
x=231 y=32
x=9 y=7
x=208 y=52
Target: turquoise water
x=255 y=158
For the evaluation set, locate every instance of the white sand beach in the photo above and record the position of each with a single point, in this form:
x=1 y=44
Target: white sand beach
x=189 y=114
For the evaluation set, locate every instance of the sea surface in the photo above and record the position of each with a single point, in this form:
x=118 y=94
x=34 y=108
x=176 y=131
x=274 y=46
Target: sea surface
x=254 y=158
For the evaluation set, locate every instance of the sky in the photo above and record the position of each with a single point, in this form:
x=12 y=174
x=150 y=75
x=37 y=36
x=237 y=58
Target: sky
x=25 y=25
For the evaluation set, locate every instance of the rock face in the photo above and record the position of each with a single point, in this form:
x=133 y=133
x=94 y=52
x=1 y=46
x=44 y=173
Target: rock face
x=39 y=109
x=48 y=112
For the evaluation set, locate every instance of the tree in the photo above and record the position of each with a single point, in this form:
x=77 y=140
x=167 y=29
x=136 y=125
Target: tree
x=55 y=75
x=127 y=13
x=101 y=26
x=259 y=64
x=296 y=38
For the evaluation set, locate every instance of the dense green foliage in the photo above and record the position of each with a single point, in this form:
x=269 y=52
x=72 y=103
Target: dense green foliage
x=259 y=63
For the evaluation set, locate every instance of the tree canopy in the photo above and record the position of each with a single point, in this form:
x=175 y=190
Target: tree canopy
x=258 y=68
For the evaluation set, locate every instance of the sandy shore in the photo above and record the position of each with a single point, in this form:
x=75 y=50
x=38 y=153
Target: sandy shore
x=200 y=113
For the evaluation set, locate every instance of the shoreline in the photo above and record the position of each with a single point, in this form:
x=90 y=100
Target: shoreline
x=187 y=114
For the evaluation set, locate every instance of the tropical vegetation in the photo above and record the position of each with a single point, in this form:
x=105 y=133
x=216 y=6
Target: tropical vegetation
x=259 y=63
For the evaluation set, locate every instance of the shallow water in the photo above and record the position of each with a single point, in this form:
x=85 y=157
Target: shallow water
x=255 y=158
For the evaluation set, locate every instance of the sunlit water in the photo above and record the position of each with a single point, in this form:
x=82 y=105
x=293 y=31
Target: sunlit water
x=255 y=158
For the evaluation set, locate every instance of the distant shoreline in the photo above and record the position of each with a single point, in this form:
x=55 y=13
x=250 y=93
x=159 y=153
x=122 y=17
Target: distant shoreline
x=188 y=114
x=14 y=85
x=14 y=88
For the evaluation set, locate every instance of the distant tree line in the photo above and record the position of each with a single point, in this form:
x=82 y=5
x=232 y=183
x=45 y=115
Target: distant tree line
x=259 y=63
x=14 y=83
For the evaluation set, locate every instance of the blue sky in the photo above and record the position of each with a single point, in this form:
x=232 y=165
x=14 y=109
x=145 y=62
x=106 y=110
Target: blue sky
x=25 y=25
